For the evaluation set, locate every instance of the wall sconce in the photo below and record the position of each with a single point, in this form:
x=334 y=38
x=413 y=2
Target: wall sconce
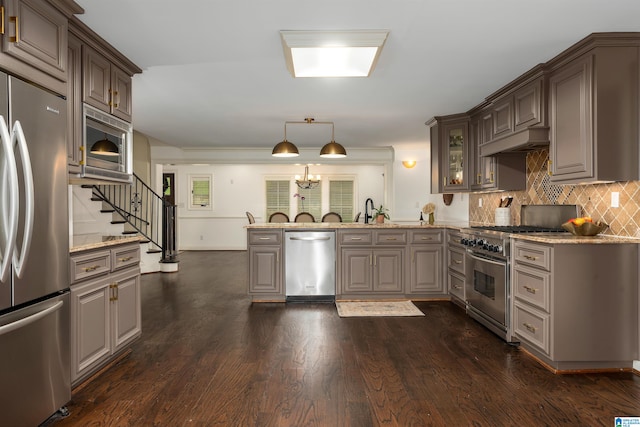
x=331 y=150
x=409 y=164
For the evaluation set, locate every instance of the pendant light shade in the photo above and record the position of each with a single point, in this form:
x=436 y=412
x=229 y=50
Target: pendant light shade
x=104 y=147
x=333 y=150
x=285 y=149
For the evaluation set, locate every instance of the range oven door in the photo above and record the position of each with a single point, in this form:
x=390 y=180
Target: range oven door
x=486 y=289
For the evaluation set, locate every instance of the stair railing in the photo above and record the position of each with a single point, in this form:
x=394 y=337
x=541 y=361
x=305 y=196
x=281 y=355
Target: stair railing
x=146 y=211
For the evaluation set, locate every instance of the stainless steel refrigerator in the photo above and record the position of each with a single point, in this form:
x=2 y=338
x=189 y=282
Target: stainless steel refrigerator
x=35 y=379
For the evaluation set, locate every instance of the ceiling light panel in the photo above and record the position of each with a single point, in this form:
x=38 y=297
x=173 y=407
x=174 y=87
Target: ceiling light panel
x=332 y=53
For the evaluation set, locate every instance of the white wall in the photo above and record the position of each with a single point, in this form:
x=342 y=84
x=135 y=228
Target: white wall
x=411 y=189
x=239 y=175
x=240 y=188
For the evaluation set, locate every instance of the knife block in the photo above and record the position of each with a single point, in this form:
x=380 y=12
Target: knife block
x=503 y=216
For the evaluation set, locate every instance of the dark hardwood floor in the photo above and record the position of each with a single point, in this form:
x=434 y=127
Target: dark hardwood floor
x=208 y=357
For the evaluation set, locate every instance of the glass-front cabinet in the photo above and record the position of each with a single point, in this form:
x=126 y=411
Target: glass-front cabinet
x=449 y=153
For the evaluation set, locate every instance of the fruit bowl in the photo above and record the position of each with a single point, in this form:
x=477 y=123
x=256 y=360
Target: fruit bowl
x=585 y=229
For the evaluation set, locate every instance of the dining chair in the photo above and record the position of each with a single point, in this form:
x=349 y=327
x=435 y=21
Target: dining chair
x=357 y=217
x=279 y=217
x=331 y=217
x=304 y=217
x=250 y=217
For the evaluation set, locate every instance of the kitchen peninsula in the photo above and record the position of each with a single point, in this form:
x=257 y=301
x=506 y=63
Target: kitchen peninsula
x=373 y=261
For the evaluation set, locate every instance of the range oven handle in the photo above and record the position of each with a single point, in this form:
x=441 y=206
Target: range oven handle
x=485 y=259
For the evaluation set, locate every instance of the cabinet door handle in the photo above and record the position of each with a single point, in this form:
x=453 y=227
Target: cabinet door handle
x=491 y=177
x=456 y=261
x=479 y=179
x=531 y=258
x=16 y=38
x=92 y=268
x=117 y=99
x=391 y=238
x=549 y=172
x=530 y=327
x=125 y=259
x=114 y=292
x=1 y=19
x=264 y=238
x=530 y=289
x=356 y=238
x=110 y=98
x=426 y=238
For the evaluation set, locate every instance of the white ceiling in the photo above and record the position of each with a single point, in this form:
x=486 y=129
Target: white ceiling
x=214 y=73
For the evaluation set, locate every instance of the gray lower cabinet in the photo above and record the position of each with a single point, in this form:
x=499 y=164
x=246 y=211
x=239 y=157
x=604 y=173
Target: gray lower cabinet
x=572 y=303
x=265 y=264
x=456 y=266
x=426 y=262
x=105 y=306
x=371 y=262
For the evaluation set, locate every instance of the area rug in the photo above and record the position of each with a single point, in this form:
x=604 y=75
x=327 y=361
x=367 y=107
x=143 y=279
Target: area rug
x=377 y=309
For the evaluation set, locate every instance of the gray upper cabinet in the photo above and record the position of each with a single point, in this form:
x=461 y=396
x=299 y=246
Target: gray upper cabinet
x=105 y=86
x=34 y=41
x=74 y=104
x=505 y=171
x=449 y=153
x=518 y=116
x=594 y=111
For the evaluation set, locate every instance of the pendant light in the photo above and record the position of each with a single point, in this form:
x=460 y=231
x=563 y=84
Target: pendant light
x=104 y=147
x=331 y=150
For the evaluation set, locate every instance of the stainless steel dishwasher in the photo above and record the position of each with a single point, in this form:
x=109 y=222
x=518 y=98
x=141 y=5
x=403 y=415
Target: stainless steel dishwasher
x=310 y=265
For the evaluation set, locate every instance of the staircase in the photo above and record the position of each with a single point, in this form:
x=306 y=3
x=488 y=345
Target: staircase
x=140 y=210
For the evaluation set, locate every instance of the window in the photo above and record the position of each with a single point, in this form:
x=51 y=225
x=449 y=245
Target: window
x=278 y=196
x=341 y=198
x=200 y=186
x=312 y=202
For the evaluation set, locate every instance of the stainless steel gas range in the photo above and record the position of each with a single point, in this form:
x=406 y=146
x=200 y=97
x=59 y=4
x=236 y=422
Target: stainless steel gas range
x=488 y=284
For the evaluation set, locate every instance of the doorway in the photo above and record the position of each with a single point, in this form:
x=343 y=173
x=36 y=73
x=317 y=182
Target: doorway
x=169 y=188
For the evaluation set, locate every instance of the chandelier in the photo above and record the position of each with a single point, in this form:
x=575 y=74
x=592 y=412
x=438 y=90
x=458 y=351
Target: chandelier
x=331 y=150
x=307 y=180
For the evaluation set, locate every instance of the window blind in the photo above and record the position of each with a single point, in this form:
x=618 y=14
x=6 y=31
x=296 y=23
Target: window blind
x=341 y=199
x=312 y=202
x=277 y=197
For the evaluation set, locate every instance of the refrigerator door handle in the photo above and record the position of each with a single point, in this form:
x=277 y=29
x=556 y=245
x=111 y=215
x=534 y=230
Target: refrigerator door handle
x=19 y=261
x=29 y=319
x=9 y=203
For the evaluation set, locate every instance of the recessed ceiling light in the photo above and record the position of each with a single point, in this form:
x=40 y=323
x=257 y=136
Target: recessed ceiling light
x=332 y=53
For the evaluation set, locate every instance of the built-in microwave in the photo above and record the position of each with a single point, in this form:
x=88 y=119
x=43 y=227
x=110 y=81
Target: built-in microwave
x=107 y=146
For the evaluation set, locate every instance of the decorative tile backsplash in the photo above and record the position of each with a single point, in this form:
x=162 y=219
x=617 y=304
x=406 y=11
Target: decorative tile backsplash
x=595 y=199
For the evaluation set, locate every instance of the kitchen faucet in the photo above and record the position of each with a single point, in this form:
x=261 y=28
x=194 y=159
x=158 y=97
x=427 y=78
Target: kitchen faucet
x=368 y=213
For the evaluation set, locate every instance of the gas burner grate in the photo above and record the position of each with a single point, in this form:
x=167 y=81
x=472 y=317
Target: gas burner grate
x=519 y=229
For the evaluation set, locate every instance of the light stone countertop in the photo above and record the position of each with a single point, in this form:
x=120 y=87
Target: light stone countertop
x=351 y=225
x=568 y=238
x=83 y=242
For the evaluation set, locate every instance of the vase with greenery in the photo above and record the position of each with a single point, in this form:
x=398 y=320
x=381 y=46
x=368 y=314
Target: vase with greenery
x=380 y=214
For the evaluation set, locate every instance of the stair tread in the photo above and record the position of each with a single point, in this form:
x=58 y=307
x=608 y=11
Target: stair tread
x=107 y=210
x=118 y=222
x=129 y=232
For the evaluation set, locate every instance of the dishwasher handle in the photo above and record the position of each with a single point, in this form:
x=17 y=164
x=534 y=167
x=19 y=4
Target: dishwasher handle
x=310 y=239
